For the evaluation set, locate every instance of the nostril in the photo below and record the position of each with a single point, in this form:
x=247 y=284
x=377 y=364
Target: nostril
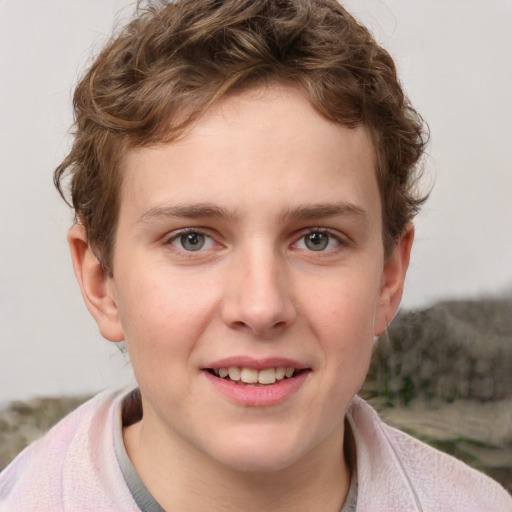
x=258 y=303
x=261 y=330
x=239 y=325
x=278 y=326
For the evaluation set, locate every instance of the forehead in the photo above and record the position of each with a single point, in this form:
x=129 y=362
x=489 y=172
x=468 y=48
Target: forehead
x=267 y=146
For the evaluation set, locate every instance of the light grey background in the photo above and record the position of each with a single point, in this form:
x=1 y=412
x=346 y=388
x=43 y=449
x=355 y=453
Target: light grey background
x=455 y=59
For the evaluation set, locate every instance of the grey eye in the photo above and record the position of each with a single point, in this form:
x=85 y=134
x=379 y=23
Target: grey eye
x=316 y=241
x=192 y=241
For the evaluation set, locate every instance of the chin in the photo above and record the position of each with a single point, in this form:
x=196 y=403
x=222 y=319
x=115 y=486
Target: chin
x=262 y=463
x=259 y=454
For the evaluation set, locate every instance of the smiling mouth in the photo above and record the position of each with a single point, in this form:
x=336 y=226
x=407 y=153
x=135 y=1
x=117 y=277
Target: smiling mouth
x=250 y=376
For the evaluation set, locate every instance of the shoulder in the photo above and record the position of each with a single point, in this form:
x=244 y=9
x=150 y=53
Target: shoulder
x=396 y=468
x=72 y=466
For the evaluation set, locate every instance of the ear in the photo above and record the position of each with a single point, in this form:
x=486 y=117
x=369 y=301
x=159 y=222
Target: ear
x=393 y=278
x=97 y=287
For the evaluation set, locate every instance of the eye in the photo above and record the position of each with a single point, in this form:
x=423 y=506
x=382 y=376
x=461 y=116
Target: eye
x=318 y=240
x=192 y=241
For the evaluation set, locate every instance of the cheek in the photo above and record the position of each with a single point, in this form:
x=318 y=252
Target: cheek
x=342 y=314
x=158 y=309
x=350 y=303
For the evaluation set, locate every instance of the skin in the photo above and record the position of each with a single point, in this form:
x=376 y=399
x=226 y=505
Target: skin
x=256 y=175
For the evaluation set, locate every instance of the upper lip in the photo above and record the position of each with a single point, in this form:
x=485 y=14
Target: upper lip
x=257 y=364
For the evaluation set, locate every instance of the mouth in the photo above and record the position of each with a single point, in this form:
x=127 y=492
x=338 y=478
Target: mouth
x=245 y=376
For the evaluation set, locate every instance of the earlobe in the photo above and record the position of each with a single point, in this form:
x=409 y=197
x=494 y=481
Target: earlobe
x=393 y=279
x=96 y=286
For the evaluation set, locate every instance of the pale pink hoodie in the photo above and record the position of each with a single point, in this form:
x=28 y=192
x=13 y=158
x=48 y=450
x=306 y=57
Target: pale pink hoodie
x=74 y=468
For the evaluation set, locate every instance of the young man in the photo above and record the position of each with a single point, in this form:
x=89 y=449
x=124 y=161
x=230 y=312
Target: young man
x=243 y=181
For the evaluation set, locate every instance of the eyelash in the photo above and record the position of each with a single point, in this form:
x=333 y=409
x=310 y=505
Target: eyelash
x=332 y=236
x=323 y=231
x=169 y=241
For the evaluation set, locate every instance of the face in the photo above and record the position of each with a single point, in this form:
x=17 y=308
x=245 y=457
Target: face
x=249 y=280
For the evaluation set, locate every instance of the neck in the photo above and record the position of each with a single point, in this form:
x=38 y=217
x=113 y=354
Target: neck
x=319 y=481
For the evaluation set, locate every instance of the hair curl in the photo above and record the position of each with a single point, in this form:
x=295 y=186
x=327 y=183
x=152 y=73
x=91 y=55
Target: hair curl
x=168 y=65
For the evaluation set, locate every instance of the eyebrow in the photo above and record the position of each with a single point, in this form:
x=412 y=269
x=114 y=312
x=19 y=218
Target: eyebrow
x=322 y=211
x=203 y=210
x=191 y=211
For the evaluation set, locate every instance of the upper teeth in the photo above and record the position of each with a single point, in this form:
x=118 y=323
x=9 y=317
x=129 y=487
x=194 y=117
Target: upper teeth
x=253 y=376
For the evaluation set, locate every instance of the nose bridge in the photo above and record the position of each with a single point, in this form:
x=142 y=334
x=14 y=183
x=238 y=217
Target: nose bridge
x=259 y=295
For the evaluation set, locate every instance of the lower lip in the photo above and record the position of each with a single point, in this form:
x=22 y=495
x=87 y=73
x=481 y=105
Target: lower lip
x=258 y=396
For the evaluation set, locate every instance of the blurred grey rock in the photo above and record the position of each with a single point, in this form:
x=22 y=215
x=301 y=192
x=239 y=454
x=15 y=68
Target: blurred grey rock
x=444 y=375
x=453 y=350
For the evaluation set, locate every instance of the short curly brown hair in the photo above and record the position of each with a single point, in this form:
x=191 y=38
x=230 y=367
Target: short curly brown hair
x=168 y=65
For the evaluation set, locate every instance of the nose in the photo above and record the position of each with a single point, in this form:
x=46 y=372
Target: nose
x=258 y=297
